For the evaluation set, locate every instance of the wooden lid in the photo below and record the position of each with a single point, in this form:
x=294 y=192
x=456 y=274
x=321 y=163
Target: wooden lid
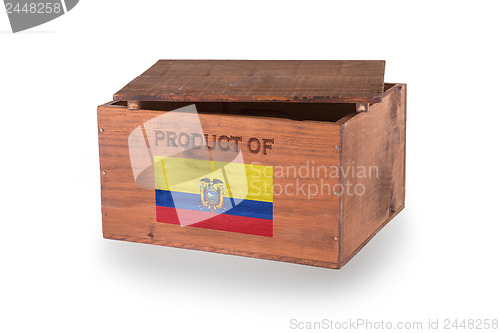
x=309 y=81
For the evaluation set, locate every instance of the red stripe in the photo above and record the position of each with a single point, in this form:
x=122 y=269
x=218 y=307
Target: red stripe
x=223 y=222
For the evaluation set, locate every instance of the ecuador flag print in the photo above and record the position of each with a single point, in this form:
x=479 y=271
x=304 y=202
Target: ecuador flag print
x=224 y=196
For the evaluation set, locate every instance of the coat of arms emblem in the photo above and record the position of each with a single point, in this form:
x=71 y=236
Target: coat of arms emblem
x=212 y=193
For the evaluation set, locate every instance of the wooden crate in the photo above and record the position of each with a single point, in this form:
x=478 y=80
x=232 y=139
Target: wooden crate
x=297 y=161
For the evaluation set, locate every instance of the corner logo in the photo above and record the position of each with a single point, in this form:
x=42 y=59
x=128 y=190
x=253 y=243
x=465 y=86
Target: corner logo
x=26 y=14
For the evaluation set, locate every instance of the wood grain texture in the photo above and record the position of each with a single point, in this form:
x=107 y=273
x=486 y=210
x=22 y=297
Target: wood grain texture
x=304 y=229
x=307 y=81
x=373 y=139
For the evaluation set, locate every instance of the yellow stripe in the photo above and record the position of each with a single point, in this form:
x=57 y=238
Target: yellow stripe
x=243 y=181
x=164 y=173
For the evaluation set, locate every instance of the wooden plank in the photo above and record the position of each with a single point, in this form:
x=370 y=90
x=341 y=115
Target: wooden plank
x=305 y=229
x=373 y=141
x=307 y=81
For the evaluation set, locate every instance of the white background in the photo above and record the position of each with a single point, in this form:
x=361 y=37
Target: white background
x=437 y=259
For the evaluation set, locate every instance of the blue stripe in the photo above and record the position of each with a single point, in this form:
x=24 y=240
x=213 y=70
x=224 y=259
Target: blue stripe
x=249 y=208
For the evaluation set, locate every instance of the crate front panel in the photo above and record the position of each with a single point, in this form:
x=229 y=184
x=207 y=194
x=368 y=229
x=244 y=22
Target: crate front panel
x=304 y=161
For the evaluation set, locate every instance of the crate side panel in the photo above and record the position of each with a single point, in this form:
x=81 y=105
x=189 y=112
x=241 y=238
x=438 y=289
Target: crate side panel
x=373 y=161
x=305 y=223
